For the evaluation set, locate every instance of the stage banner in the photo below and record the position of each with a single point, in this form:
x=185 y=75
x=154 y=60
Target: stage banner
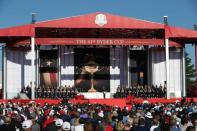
x=48 y=68
x=92 y=72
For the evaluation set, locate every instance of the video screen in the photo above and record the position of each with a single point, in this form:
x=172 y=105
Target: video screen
x=92 y=73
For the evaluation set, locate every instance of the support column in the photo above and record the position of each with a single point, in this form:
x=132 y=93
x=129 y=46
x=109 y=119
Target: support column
x=167 y=67
x=183 y=73
x=167 y=57
x=196 y=67
x=4 y=84
x=128 y=65
x=33 y=67
x=195 y=28
x=59 y=66
x=148 y=67
x=37 y=67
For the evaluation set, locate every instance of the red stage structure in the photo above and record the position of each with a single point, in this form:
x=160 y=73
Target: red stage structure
x=97 y=29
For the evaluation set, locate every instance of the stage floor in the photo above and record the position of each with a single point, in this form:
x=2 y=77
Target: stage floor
x=96 y=95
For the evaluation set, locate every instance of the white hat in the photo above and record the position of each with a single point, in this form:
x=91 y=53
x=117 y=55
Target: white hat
x=177 y=101
x=101 y=114
x=59 y=122
x=27 y=124
x=168 y=113
x=78 y=110
x=1 y=122
x=145 y=102
x=176 y=109
x=15 y=112
x=148 y=115
x=52 y=112
x=32 y=102
x=66 y=126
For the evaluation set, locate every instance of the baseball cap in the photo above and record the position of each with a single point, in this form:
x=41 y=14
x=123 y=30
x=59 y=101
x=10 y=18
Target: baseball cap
x=66 y=126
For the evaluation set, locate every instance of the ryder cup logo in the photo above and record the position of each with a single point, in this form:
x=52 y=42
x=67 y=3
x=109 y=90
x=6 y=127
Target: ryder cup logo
x=101 y=20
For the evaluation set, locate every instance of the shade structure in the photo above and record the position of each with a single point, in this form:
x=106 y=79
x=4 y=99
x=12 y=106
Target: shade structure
x=178 y=32
x=17 y=31
x=90 y=21
x=97 y=20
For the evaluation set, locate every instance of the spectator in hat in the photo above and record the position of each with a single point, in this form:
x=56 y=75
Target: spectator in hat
x=27 y=125
x=55 y=125
x=58 y=124
x=148 y=120
x=66 y=126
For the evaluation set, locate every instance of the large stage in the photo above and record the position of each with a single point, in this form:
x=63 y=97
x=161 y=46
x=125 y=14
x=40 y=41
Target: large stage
x=95 y=52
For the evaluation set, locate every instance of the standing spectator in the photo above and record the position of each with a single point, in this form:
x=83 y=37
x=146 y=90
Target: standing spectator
x=148 y=120
x=141 y=126
x=66 y=126
x=173 y=125
x=155 y=126
x=55 y=125
x=88 y=126
x=35 y=125
x=27 y=125
x=194 y=120
x=184 y=123
x=7 y=125
x=77 y=125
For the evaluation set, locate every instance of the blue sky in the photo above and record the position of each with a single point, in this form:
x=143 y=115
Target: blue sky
x=181 y=13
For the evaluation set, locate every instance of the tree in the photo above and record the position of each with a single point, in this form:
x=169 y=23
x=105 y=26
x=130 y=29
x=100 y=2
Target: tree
x=190 y=75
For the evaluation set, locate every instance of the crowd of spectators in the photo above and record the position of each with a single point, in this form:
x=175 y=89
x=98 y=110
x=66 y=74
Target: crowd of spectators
x=141 y=91
x=51 y=92
x=33 y=116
